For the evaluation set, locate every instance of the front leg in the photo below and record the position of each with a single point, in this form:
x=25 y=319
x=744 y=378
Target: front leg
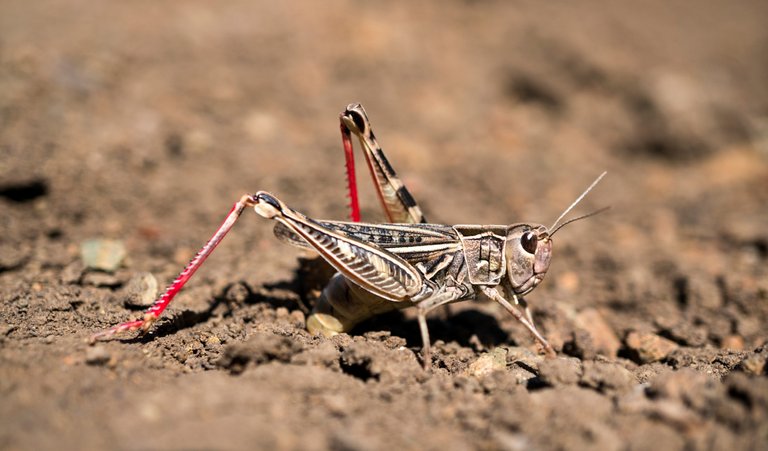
x=524 y=318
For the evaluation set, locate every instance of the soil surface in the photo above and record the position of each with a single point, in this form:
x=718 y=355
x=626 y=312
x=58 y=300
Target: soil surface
x=128 y=129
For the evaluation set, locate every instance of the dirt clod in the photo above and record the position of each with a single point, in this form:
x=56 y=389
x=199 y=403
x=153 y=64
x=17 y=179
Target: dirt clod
x=607 y=376
x=237 y=293
x=603 y=338
x=97 y=355
x=324 y=354
x=647 y=347
x=755 y=364
x=523 y=357
x=258 y=349
x=374 y=361
x=560 y=371
x=73 y=272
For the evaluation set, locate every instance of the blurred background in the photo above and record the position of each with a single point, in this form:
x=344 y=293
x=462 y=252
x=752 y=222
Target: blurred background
x=143 y=121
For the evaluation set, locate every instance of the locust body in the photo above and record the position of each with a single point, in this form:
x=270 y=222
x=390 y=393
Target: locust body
x=458 y=261
x=405 y=263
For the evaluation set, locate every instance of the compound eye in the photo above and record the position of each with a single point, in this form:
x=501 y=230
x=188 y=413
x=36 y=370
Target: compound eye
x=529 y=240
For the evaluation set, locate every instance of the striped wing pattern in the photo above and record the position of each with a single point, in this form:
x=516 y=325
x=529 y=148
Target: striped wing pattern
x=413 y=242
x=374 y=269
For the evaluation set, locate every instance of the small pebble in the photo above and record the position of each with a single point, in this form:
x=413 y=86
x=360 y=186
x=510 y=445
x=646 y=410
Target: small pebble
x=282 y=313
x=102 y=254
x=141 y=290
x=733 y=342
x=647 y=347
x=97 y=355
x=489 y=362
x=753 y=364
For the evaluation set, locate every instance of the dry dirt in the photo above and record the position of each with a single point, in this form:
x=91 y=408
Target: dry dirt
x=143 y=121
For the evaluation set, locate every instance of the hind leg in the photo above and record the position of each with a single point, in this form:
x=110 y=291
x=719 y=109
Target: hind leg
x=397 y=202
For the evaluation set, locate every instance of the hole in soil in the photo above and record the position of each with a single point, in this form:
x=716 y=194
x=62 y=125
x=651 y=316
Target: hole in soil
x=174 y=145
x=761 y=246
x=680 y=285
x=630 y=354
x=740 y=396
x=536 y=383
x=658 y=143
x=358 y=370
x=237 y=365
x=24 y=191
x=527 y=90
x=723 y=289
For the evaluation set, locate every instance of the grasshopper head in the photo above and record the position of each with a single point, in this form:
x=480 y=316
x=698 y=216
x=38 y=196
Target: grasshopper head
x=529 y=248
x=528 y=252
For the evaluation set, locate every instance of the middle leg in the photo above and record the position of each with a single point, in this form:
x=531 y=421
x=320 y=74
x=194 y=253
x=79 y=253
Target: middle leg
x=443 y=297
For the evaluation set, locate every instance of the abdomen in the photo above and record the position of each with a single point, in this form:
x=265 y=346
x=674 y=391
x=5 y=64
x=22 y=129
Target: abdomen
x=342 y=305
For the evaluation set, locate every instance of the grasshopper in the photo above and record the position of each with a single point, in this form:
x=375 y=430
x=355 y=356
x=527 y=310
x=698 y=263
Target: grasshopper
x=405 y=263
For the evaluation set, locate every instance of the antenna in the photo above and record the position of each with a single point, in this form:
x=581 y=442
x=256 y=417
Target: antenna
x=575 y=202
x=588 y=215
